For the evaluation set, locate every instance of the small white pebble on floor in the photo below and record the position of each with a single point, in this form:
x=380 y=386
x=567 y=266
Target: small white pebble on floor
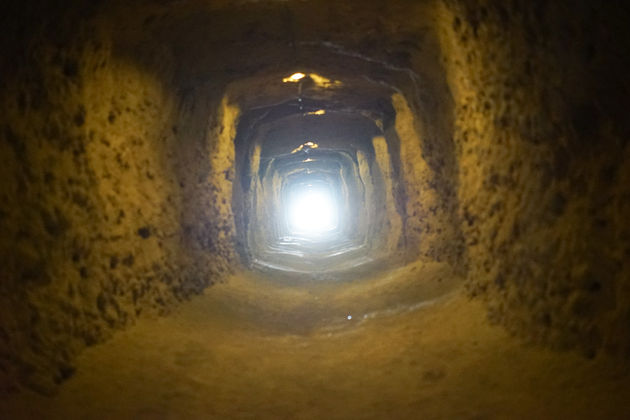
x=349 y=316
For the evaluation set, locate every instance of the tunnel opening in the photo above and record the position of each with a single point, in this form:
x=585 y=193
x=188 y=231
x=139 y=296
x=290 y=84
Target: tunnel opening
x=311 y=208
x=327 y=136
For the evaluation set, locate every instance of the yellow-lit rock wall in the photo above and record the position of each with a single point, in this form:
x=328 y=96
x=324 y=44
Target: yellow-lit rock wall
x=390 y=220
x=508 y=150
x=540 y=147
x=428 y=232
x=91 y=206
x=210 y=189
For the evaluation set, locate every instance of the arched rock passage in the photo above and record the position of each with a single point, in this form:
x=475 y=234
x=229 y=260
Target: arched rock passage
x=148 y=149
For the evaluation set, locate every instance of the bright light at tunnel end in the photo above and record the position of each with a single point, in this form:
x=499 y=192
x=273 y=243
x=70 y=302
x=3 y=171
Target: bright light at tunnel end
x=312 y=212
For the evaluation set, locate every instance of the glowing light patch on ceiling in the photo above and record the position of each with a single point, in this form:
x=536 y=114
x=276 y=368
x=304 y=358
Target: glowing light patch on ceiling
x=318 y=80
x=307 y=145
x=324 y=82
x=318 y=112
x=294 y=78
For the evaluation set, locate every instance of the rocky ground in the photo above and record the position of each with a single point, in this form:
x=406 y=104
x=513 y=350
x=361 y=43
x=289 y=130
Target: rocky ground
x=403 y=345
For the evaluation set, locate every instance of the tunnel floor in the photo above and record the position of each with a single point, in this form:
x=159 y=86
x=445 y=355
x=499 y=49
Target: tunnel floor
x=256 y=348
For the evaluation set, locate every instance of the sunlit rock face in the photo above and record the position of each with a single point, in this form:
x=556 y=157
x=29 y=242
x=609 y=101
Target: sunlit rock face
x=150 y=148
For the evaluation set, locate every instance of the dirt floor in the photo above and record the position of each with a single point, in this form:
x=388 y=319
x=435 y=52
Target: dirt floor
x=406 y=345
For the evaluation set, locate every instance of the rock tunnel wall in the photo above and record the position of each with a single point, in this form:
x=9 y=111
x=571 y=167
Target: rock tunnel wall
x=542 y=152
x=91 y=209
x=117 y=157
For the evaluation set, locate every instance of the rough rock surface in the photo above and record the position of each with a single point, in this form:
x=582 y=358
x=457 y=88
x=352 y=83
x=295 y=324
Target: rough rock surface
x=542 y=154
x=115 y=183
x=92 y=207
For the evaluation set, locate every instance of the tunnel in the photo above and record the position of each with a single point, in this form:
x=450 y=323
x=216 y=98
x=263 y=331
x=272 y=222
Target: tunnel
x=290 y=209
